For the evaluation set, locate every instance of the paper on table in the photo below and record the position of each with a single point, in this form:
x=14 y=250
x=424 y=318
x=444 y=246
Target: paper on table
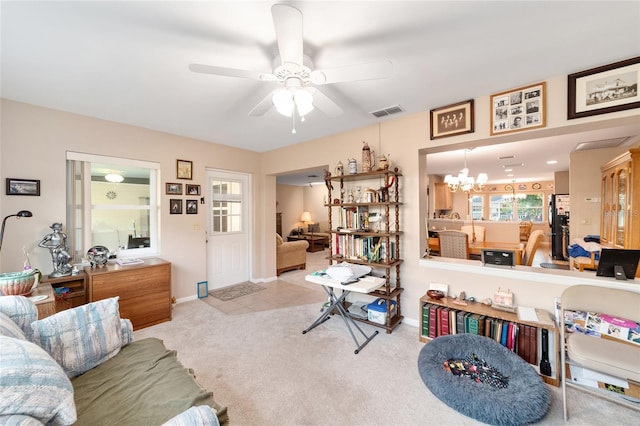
x=527 y=314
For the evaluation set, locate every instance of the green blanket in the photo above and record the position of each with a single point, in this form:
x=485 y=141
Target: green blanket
x=144 y=384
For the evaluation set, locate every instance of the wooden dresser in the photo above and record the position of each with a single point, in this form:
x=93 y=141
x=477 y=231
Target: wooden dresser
x=144 y=290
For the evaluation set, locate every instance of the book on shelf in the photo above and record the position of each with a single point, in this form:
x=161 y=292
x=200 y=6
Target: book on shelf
x=129 y=261
x=433 y=312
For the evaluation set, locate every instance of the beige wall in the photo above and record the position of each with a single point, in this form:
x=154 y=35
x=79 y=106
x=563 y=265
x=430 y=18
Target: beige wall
x=290 y=202
x=33 y=145
x=34 y=141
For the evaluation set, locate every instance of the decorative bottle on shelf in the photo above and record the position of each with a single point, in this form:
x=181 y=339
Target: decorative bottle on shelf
x=367 y=156
x=353 y=166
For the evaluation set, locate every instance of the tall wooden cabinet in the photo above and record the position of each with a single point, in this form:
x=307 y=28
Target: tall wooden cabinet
x=144 y=290
x=620 y=221
x=364 y=223
x=620 y=215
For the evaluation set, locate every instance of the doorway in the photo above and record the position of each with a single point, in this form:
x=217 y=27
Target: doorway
x=228 y=228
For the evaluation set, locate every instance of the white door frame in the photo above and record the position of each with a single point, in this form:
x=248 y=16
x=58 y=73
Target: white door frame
x=247 y=216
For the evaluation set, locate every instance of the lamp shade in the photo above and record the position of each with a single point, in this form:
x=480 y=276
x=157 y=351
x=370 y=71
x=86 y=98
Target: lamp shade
x=306 y=217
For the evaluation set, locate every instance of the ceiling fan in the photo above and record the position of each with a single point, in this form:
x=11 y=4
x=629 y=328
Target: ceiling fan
x=295 y=73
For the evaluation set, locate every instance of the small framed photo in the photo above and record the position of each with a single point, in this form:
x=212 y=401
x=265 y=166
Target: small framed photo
x=192 y=206
x=173 y=188
x=193 y=189
x=23 y=187
x=175 y=206
x=604 y=89
x=452 y=120
x=203 y=289
x=184 y=169
x=518 y=109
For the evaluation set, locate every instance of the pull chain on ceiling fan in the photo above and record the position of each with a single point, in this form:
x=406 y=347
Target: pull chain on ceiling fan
x=295 y=72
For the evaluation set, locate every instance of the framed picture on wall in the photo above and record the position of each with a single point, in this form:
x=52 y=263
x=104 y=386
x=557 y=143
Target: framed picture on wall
x=604 y=89
x=184 y=169
x=22 y=187
x=518 y=109
x=173 y=188
x=192 y=206
x=193 y=189
x=451 y=120
x=175 y=206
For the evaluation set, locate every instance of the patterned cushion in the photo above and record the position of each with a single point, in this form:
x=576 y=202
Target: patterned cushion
x=83 y=337
x=9 y=328
x=126 y=329
x=18 y=420
x=21 y=310
x=32 y=384
x=200 y=415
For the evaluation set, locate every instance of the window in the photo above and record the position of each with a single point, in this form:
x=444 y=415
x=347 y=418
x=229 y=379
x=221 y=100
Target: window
x=507 y=207
x=531 y=207
x=501 y=207
x=477 y=202
x=120 y=214
x=226 y=208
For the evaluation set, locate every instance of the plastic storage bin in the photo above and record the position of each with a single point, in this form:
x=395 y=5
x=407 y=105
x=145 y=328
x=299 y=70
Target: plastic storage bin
x=377 y=310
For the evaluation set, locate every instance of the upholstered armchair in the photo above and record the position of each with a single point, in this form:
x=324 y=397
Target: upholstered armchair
x=290 y=255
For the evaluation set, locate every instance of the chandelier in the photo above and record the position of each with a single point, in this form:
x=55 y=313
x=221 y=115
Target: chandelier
x=464 y=182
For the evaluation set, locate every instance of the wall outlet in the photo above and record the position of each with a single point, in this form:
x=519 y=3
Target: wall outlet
x=585 y=221
x=196 y=227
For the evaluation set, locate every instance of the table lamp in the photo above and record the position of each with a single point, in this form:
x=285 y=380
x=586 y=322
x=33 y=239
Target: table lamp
x=21 y=213
x=306 y=218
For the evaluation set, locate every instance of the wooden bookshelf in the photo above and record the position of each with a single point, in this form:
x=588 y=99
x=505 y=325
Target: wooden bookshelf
x=545 y=321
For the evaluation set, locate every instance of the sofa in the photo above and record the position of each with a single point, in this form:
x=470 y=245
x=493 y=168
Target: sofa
x=81 y=366
x=290 y=255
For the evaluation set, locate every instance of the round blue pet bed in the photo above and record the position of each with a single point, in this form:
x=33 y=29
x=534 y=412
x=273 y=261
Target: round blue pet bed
x=525 y=400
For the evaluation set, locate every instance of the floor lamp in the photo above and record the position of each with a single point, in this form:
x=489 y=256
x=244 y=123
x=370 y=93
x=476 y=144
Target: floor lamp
x=21 y=213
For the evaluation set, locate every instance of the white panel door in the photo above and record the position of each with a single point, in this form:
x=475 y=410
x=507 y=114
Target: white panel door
x=228 y=229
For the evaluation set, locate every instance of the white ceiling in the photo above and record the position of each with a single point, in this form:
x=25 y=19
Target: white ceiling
x=126 y=61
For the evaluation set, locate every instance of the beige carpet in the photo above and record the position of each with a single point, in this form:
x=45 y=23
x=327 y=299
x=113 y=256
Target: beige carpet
x=267 y=372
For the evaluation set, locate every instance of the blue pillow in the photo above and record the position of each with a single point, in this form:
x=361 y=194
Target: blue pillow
x=81 y=338
x=21 y=310
x=33 y=384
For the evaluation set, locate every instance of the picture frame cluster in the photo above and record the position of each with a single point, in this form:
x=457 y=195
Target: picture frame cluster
x=184 y=170
x=600 y=90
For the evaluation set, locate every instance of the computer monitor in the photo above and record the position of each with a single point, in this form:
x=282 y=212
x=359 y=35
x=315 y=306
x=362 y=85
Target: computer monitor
x=619 y=263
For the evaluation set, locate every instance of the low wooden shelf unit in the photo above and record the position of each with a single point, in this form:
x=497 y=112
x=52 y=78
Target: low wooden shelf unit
x=545 y=322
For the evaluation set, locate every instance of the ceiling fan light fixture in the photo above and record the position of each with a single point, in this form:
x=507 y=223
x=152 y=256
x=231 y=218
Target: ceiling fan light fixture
x=303 y=101
x=283 y=101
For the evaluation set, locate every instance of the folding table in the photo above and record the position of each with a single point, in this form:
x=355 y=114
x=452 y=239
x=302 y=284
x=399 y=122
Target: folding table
x=364 y=285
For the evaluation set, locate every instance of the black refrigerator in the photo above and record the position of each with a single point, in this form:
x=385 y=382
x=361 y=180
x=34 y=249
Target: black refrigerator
x=558 y=222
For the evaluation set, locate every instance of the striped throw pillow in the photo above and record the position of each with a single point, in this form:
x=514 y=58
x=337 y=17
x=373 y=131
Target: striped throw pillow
x=33 y=384
x=83 y=337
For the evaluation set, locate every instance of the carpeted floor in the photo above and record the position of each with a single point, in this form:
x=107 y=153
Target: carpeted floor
x=267 y=372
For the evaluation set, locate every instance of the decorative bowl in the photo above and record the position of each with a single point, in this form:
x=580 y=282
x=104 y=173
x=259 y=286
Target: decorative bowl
x=18 y=283
x=435 y=294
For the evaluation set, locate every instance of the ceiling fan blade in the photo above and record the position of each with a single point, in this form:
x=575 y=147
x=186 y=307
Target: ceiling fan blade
x=323 y=103
x=231 y=72
x=287 y=22
x=368 y=71
x=263 y=106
